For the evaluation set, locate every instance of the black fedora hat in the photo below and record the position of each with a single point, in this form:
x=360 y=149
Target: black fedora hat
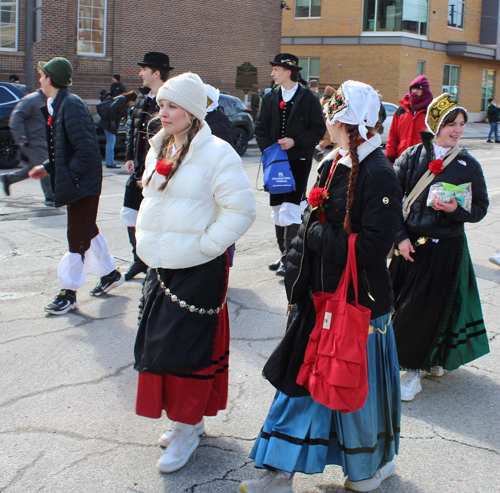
x=155 y=59
x=286 y=60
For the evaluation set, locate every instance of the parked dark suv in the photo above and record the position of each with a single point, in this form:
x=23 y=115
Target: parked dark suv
x=242 y=127
x=10 y=95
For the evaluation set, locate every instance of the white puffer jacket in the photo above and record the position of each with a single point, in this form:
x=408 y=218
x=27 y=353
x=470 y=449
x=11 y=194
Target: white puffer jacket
x=206 y=207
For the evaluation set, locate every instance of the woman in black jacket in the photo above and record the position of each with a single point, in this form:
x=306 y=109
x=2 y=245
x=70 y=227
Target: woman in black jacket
x=117 y=110
x=438 y=320
x=300 y=434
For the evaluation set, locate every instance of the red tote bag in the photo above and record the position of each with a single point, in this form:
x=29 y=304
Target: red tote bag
x=335 y=363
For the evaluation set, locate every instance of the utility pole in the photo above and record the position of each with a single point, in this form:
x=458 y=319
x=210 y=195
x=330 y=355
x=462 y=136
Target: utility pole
x=33 y=35
x=30 y=45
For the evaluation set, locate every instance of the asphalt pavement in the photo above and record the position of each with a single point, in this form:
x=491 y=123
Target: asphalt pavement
x=67 y=388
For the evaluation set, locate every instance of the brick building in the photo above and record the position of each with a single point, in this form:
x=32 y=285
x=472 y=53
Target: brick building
x=387 y=43
x=104 y=37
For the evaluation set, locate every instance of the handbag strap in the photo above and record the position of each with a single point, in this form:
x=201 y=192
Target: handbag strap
x=350 y=273
x=425 y=180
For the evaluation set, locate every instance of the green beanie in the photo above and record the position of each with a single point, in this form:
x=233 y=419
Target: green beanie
x=59 y=70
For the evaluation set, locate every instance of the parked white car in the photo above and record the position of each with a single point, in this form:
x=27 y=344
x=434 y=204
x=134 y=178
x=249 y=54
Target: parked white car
x=390 y=109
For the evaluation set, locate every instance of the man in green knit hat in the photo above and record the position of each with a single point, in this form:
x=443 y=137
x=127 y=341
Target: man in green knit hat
x=75 y=170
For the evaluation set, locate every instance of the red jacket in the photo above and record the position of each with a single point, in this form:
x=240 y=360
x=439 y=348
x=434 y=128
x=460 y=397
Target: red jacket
x=405 y=129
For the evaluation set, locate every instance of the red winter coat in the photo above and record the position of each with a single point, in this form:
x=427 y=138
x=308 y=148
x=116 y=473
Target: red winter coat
x=405 y=129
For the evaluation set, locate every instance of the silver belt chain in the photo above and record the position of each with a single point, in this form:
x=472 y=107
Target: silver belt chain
x=183 y=304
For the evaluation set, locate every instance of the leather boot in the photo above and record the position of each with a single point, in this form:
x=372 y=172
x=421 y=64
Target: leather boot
x=280 y=237
x=138 y=266
x=290 y=233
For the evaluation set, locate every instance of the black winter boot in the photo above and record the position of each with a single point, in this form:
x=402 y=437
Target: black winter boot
x=138 y=266
x=280 y=237
x=290 y=233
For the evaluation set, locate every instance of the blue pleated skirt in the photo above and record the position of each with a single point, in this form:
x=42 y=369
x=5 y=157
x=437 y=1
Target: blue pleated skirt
x=301 y=435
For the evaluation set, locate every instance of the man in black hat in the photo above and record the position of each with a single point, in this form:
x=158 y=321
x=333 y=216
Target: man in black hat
x=155 y=69
x=116 y=88
x=291 y=115
x=75 y=169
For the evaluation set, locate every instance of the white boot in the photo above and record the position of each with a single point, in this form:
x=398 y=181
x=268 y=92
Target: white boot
x=410 y=385
x=271 y=482
x=182 y=444
x=166 y=438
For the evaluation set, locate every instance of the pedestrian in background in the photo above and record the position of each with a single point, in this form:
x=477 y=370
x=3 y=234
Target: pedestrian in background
x=409 y=119
x=27 y=126
x=493 y=117
x=314 y=87
x=197 y=202
x=290 y=115
x=255 y=101
x=144 y=123
x=75 y=169
x=117 y=111
x=438 y=321
x=300 y=434
x=219 y=122
x=14 y=79
x=116 y=88
x=319 y=150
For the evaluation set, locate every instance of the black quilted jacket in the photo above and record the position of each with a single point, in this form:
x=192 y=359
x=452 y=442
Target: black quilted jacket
x=424 y=220
x=318 y=254
x=75 y=165
x=146 y=123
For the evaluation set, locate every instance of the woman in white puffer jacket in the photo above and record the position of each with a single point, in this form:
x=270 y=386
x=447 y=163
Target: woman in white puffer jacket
x=197 y=203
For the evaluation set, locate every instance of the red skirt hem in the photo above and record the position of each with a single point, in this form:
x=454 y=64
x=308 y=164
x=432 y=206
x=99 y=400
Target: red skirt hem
x=188 y=397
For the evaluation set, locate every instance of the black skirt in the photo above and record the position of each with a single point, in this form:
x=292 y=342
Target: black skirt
x=424 y=291
x=172 y=339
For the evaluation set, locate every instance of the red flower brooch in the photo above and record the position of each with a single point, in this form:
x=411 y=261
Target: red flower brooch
x=282 y=105
x=164 y=167
x=317 y=198
x=436 y=166
x=49 y=121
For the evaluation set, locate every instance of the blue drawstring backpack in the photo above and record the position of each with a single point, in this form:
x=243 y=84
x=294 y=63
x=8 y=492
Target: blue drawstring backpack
x=278 y=177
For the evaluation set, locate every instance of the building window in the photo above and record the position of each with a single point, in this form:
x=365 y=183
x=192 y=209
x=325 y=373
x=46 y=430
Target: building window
x=92 y=27
x=451 y=79
x=8 y=24
x=420 y=67
x=308 y=8
x=408 y=16
x=488 y=88
x=456 y=12
x=310 y=68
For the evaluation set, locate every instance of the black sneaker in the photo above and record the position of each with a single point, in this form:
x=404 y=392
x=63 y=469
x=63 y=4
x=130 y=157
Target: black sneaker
x=63 y=303
x=107 y=283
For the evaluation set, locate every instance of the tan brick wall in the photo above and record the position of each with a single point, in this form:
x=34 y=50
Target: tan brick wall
x=338 y=18
x=390 y=69
x=209 y=41
x=438 y=22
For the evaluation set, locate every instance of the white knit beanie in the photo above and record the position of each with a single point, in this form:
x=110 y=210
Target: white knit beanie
x=188 y=91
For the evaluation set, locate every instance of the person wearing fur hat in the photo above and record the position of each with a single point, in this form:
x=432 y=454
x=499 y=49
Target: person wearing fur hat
x=75 y=169
x=359 y=194
x=155 y=70
x=409 y=119
x=290 y=115
x=182 y=345
x=438 y=319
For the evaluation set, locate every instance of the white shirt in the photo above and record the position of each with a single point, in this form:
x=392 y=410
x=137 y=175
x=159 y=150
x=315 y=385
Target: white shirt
x=288 y=94
x=439 y=152
x=49 y=106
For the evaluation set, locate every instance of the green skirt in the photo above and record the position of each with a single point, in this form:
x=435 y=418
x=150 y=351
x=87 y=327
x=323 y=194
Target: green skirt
x=464 y=337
